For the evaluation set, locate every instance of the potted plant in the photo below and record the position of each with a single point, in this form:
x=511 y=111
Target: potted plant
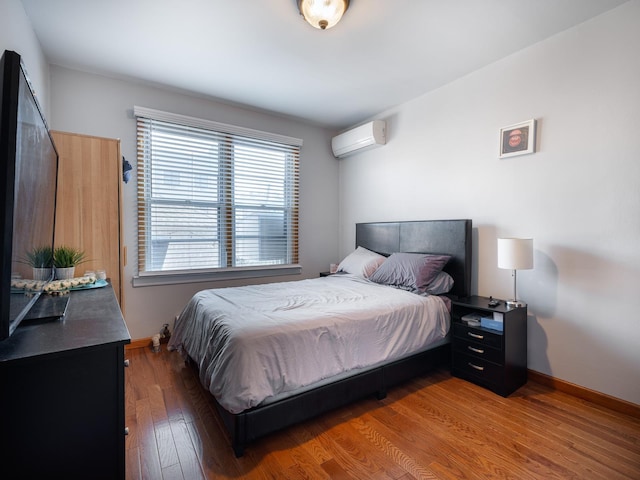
x=65 y=260
x=41 y=260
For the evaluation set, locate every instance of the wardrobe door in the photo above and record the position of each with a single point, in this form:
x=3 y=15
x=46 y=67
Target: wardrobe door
x=89 y=203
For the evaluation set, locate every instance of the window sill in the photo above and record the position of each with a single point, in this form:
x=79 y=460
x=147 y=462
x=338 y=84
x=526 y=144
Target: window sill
x=154 y=279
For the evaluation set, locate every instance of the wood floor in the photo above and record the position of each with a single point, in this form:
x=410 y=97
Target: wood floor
x=433 y=427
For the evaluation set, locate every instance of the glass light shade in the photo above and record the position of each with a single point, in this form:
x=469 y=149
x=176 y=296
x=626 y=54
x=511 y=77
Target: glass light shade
x=322 y=14
x=515 y=253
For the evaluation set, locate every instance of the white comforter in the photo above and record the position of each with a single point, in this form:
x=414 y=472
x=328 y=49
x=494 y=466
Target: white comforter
x=255 y=343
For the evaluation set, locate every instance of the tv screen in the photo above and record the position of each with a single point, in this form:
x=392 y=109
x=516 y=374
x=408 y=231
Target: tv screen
x=28 y=169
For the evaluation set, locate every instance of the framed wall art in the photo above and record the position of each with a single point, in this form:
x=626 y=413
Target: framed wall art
x=518 y=139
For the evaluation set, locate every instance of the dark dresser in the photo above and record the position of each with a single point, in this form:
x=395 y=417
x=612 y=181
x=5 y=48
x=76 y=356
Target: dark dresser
x=62 y=392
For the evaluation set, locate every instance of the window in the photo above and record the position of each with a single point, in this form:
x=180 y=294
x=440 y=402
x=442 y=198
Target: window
x=214 y=197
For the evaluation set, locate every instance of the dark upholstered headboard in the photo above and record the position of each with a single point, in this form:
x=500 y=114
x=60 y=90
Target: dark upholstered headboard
x=450 y=237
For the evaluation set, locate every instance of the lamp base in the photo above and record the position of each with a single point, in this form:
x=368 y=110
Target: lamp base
x=515 y=303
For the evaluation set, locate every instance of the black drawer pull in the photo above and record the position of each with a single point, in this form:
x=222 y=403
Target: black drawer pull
x=475 y=335
x=476 y=350
x=475 y=366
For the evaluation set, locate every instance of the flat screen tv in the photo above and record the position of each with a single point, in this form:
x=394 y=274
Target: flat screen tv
x=28 y=179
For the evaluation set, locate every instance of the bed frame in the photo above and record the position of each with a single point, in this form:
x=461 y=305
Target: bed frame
x=452 y=237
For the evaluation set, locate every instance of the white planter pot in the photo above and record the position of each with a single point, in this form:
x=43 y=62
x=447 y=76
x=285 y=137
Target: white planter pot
x=65 y=273
x=41 y=273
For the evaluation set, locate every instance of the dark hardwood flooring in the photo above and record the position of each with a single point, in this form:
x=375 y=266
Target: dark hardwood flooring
x=433 y=427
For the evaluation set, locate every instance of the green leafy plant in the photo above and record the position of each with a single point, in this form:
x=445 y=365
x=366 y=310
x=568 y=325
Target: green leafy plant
x=66 y=257
x=39 y=257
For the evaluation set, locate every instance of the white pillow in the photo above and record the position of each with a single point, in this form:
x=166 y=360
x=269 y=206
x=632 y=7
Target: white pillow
x=361 y=262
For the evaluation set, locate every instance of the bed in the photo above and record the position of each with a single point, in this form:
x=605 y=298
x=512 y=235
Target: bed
x=276 y=354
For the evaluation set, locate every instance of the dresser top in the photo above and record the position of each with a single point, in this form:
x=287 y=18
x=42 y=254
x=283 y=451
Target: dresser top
x=93 y=320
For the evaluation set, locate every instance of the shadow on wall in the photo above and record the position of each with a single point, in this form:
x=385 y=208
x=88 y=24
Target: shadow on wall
x=537 y=342
x=539 y=288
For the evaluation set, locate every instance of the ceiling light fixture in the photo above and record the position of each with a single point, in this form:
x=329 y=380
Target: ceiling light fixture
x=322 y=14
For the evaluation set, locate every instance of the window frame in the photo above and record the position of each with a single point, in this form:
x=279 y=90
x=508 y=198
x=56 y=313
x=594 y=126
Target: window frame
x=144 y=277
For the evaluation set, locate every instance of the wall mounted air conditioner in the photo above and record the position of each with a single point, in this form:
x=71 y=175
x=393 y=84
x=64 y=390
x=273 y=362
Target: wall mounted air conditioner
x=356 y=140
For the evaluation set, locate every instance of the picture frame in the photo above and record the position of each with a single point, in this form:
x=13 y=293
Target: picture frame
x=518 y=139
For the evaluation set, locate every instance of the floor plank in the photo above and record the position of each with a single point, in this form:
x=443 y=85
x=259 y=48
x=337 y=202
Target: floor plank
x=432 y=427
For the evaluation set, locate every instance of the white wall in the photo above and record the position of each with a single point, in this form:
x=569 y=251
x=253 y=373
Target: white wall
x=578 y=196
x=95 y=105
x=16 y=34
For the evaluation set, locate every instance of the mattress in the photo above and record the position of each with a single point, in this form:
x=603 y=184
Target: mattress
x=255 y=344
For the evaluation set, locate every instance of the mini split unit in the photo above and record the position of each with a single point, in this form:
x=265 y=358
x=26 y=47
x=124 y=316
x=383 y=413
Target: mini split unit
x=358 y=139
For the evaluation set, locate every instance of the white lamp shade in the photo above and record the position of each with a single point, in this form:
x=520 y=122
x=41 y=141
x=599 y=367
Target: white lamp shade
x=515 y=253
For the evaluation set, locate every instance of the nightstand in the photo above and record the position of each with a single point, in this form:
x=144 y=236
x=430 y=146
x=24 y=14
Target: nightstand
x=494 y=359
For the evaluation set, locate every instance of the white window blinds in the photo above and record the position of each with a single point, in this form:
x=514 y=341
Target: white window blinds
x=214 y=196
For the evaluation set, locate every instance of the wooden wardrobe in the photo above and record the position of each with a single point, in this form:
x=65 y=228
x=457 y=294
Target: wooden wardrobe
x=89 y=204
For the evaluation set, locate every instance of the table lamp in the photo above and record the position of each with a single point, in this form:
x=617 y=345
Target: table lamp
x=515 y=254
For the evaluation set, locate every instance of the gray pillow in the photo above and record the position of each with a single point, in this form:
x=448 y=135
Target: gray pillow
x=443 y=283
x=411 y=270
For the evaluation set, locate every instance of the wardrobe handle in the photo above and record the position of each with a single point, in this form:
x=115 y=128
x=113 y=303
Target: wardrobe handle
x=475 y=366
x=475 y=335
x=477 y=350
x=126 y=362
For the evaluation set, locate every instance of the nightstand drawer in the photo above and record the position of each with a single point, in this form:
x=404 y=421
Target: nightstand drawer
x=478 y=350
x=485 y=371
x=477 y=335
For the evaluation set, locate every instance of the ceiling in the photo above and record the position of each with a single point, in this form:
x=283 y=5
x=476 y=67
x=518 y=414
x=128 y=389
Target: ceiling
x=262 y=54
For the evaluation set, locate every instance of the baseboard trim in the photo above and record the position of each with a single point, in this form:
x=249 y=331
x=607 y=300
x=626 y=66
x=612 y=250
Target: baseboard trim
x=602 y=399
x=140 y=343
x=143 y=343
